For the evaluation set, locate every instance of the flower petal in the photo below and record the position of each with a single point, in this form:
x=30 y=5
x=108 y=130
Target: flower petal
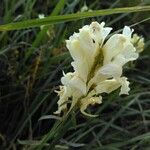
x=111 y=70
x=128 y=54
x=85 y=102
x=64 y=94
x=119 y=49
x=124 y=86
x=66 y=78
x=98 y=32
x=74 y=82
x=107 y=86
x=127 y=32
x=77 y=83
x=113 y=47
x=82 y=58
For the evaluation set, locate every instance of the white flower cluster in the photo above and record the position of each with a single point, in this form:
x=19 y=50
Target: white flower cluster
x=97 y=66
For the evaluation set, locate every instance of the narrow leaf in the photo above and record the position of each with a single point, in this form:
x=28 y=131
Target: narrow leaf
x=70 y=17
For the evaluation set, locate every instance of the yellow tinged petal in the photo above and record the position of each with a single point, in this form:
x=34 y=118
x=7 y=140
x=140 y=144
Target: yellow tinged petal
x=85 y=102
x=107 y=86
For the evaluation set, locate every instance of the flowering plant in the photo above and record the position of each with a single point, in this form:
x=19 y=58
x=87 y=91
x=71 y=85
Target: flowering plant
x=98 y=65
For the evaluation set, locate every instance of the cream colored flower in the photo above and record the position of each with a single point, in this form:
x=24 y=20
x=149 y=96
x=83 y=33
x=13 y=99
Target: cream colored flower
x=98 y=65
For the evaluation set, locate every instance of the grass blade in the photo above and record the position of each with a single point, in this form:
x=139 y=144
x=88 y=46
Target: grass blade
x=70 y=17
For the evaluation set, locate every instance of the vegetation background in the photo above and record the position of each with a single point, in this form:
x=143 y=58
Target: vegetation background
x=31 y=64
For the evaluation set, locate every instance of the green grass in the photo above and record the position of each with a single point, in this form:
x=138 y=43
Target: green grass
x=31 y=65
x=71 y=17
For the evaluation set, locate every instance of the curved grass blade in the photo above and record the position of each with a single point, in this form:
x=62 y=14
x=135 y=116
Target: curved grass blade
x=70 y=17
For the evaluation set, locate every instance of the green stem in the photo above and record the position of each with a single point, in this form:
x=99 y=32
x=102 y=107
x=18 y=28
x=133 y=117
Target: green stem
x=56 y=132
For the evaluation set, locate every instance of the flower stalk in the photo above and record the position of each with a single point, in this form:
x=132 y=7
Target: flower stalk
x=98 y=65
